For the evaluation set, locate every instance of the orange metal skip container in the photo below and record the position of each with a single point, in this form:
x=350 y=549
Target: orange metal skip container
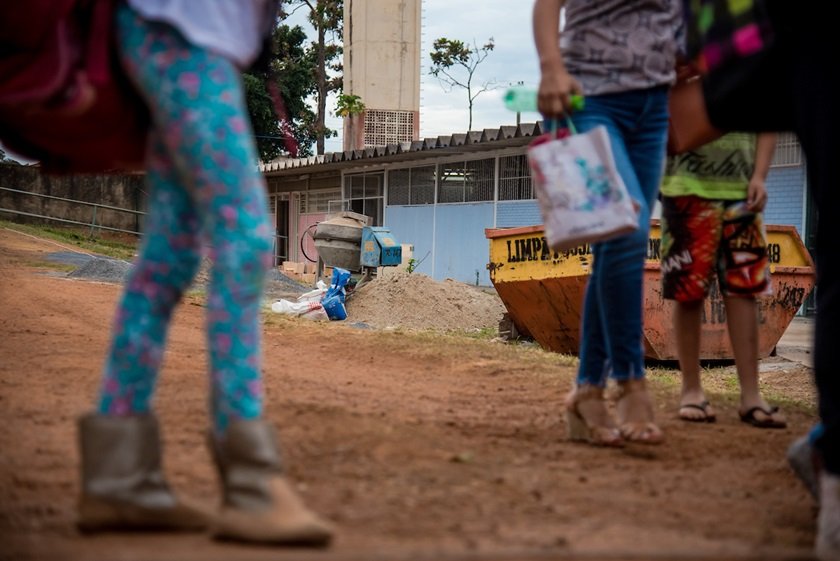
x=543 y=292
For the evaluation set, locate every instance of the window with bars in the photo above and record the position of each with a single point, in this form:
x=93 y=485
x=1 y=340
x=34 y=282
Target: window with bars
x=788 y=150
x=363 y=193
x=388 y=127
x=314 y=202
x=463 y=182
x=412 y=186
x=515 y=178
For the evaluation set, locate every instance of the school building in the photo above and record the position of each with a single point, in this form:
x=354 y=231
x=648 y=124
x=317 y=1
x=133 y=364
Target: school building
x=440 y=194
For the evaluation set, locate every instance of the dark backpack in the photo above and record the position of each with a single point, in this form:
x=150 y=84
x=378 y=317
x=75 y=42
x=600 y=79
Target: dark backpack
x=64 y=99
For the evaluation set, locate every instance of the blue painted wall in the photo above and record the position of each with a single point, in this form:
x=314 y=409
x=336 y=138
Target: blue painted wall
x=511 y=214
x=785 y=197
x=460 y=246
x=414 y=225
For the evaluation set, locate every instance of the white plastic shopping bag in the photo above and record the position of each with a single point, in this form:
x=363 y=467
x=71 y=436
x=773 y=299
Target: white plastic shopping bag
x=582 y=197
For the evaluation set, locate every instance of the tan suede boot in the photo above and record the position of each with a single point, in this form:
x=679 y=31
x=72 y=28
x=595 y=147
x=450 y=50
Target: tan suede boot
x=123 y=487
x=260 y=504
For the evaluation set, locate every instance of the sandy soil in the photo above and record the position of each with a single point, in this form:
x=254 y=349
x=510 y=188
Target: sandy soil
x=416 y=446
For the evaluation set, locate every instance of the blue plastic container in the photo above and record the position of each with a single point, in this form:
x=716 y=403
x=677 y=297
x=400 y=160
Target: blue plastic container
x=339 y=280
x=334 y=307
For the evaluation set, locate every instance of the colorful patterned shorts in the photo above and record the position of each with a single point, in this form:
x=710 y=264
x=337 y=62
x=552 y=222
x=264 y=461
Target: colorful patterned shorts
x=701 y=238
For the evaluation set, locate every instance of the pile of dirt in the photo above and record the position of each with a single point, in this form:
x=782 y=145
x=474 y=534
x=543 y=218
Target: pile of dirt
x=394 y=299
x=277 y=284
x=415 y=301
x=102 y=269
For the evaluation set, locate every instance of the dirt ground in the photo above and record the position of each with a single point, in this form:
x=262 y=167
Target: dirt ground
x=417 y=446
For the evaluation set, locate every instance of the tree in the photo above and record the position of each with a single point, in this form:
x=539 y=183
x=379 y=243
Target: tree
x=454 y=64
x=327 y=18
x=349 y=105
x=291 y=67
x=351 y=108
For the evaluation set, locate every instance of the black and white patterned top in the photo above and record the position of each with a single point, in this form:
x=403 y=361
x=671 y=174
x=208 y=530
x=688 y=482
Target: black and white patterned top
x=619 y=45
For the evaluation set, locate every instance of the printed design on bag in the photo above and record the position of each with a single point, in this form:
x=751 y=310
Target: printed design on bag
x=581 y=196
x=599 y=191
x=588 y=187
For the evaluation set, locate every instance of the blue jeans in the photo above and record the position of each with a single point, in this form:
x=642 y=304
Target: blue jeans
x=611 y=334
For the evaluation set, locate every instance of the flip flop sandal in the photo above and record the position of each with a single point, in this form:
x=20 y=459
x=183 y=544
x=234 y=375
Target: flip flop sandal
x=768 y=423
x=702 y=406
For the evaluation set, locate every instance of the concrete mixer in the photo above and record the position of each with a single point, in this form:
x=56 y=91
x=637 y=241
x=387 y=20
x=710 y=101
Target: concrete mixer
x=347 y=240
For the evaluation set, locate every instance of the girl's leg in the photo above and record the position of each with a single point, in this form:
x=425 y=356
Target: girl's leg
x=123 y=485
x=197 y=103
x=168 y=260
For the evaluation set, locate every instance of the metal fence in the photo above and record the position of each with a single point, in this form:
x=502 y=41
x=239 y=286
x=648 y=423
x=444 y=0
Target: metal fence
x=92 y=223
x=280 y=241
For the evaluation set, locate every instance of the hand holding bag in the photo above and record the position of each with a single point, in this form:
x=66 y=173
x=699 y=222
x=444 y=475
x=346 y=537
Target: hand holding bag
x=582 y=197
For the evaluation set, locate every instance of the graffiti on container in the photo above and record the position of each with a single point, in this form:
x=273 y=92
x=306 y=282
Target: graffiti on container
x=536 y=248
x=790 y=296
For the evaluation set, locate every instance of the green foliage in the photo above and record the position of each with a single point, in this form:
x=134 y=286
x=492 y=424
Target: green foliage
x=327 y=18
x=101 y=242
x=454 y=64
x=293 y=66
x=448 y=52
x=348 y=105
x=412 y=265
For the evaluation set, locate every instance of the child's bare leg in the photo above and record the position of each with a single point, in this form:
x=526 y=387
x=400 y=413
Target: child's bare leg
x=687 y=316
x=742 y=320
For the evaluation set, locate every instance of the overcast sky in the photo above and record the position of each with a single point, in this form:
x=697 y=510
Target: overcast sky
x=513 y=60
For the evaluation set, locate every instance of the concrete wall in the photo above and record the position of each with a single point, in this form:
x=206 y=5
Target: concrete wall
x=382 y=67
x=382 y=53
x=120 y=191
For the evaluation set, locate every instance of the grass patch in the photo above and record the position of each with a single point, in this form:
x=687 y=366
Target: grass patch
x=665 y=378
x=788 y=403
x=482 y=334
x=58 y=267
x=721 y=386
x=104 y=243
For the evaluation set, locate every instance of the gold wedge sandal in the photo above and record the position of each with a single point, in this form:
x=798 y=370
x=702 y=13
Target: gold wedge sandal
x=587 y=417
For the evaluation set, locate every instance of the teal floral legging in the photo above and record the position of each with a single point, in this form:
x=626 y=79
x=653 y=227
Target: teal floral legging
x=204 y=189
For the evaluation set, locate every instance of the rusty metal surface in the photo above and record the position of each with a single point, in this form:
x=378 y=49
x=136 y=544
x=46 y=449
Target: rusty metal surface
x=543 y=292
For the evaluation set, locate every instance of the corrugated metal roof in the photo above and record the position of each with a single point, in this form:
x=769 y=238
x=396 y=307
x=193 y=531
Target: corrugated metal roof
x=505 y=136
